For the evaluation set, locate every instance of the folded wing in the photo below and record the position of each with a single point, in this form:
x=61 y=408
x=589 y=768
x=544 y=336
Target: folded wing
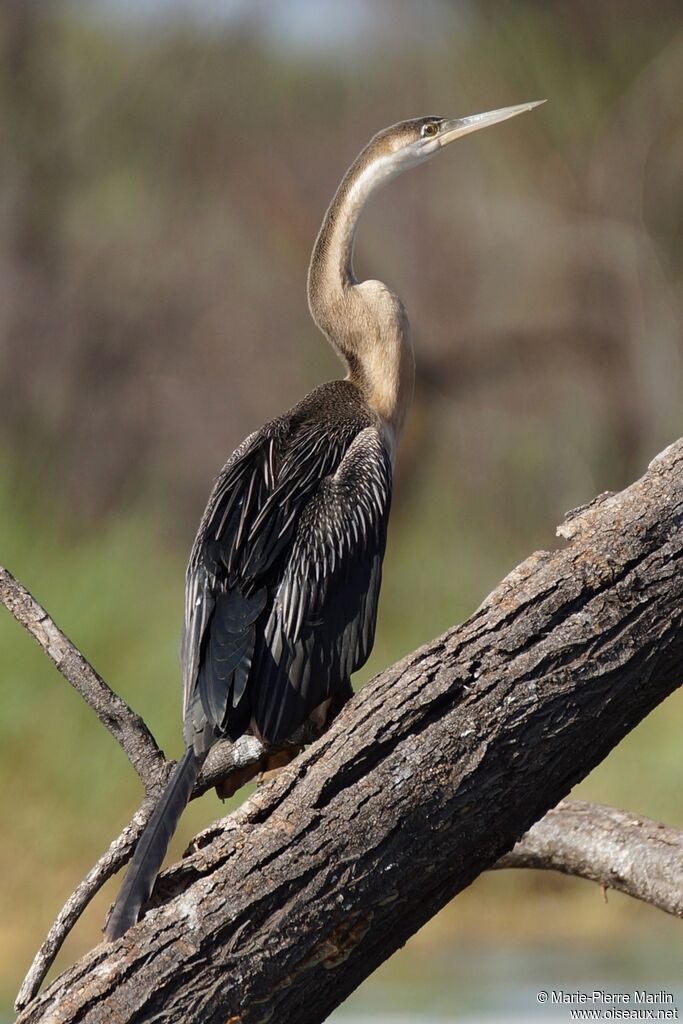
x=241 y=555
x=322 y=622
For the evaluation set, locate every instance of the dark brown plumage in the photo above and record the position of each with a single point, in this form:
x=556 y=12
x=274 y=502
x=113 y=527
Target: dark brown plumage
x=281 y=593
x=284 y=576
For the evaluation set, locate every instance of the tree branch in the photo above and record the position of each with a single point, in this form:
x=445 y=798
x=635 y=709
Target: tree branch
x=130 y=731
x=127 y=728
x=226 y=759
x=426 y=779
x=137 y=742
x=241 y=760
x=635 y=855
x=119 y=853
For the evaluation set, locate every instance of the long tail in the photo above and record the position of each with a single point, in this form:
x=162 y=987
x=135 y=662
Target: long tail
x=153 y=844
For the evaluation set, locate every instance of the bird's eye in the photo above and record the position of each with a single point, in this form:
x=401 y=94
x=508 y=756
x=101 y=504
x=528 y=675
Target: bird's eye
x=430 y=129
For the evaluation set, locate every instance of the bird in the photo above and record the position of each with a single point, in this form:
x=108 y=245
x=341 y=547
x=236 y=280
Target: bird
x=284 y=575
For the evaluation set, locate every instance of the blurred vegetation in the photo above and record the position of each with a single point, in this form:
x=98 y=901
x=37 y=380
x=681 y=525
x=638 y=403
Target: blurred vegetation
x=161 y=186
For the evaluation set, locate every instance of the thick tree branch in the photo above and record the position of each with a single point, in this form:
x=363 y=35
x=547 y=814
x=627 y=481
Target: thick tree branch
x=426 y=779
x=635 y=855
x=127 y=728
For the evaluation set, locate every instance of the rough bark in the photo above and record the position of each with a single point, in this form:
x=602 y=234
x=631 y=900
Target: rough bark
x=426 y=779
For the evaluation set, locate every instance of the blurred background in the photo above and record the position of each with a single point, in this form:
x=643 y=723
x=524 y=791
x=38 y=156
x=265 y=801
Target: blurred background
x=163 y=172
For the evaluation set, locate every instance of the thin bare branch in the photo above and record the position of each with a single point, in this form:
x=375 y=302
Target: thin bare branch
x=239 y=761
x=127 y=728
x=109 y=863
x=618 y=850
x=226 y=759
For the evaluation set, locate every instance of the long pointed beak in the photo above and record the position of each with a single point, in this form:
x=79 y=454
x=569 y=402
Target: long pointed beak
x=460 y=126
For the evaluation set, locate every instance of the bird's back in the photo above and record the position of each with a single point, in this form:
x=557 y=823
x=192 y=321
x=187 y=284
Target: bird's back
x=284 y=575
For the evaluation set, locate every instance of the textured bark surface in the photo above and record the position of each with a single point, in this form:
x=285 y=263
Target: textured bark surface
x=618 y=850
x=425 y=780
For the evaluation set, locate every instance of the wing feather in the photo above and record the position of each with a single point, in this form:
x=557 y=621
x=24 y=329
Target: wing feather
x=322 y=622
x=237 y=563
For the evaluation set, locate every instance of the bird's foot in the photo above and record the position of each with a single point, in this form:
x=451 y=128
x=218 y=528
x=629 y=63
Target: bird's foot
x=274 y=763
x=263 y=770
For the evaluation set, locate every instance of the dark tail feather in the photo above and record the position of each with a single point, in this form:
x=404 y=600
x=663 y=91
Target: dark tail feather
x=153 y=844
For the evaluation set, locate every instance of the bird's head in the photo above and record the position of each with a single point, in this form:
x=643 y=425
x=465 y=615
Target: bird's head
x=388 y=154
x=411 y=142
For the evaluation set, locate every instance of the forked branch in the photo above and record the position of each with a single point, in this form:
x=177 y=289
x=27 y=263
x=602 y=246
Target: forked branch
x=425 y=780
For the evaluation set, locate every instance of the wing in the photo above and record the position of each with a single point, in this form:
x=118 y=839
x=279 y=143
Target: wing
x=322 y=623
x=236 y=564
x=204 y=581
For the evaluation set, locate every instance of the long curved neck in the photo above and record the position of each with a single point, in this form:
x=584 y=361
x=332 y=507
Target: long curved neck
x=332 y=259
x=365 y=323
